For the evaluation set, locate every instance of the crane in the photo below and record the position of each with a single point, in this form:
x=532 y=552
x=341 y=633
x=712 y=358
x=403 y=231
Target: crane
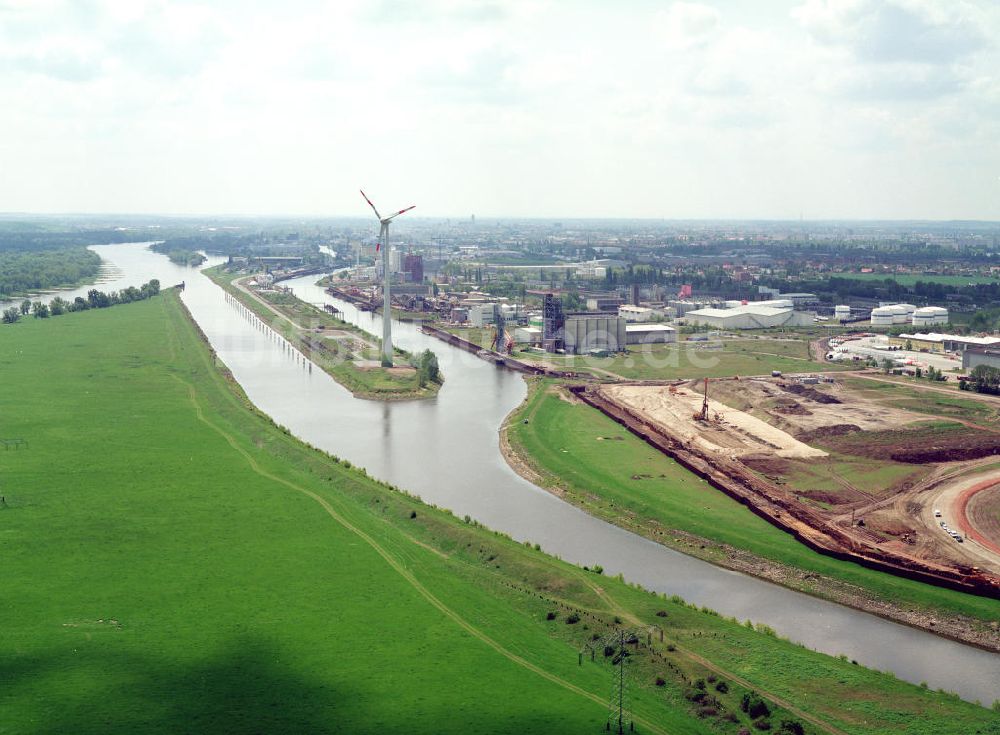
x=702 y=415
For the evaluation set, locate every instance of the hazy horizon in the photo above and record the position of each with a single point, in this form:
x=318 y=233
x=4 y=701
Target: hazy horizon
x=789 y=110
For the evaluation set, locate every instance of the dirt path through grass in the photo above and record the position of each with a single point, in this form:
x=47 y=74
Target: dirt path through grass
x=400 y=569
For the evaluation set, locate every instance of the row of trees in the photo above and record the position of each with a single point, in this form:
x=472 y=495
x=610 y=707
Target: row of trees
x=95 y=300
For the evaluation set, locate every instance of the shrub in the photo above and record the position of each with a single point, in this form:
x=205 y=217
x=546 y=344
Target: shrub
x=572 y=619
x=699 y=684
x=762 y=724
x=792 y=727
x=660 y=681
x=707 y=712
x=550 y=616
x=413 y=514
x=722 y=687
x=661 y=613
x=671 y=647
x=694 y=695
x=754 y=706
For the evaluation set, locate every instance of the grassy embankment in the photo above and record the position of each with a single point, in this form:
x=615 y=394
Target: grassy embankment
x=734 y=356
x=332 y=343
x=175 y=562
x=598 y=465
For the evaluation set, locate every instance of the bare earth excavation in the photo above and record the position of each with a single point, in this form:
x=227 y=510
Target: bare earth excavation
x=850 y=475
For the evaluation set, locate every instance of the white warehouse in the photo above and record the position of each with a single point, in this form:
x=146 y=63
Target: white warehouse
x=647 y=334
x=750 y=316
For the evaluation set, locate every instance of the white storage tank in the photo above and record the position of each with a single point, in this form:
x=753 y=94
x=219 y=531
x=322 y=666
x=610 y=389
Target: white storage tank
x=842 y=312
x=882 y=316
x=929 y=316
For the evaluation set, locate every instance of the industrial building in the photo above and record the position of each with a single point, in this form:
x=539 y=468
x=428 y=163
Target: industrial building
x=580 y=333
x=413 y=268
x=683 y=306
x=528 y=335
x=934 y=342
x=975 y=356
x=583 y=333
x=648 y=334
x=631 y=313
x=481 y=315
x=553 y=322
x=758 y=315
x=799 y=300
x=604 y=302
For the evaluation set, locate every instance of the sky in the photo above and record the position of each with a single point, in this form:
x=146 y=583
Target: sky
x=771 y=109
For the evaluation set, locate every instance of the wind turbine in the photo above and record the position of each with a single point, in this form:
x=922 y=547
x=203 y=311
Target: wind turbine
x=383 y=243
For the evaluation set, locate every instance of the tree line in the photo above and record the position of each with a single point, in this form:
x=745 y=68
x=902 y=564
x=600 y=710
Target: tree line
x=95 y=300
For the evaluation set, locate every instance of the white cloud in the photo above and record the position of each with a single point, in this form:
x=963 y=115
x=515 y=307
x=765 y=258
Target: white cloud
x=537 y=107
x=893 y=31
x=685 y=24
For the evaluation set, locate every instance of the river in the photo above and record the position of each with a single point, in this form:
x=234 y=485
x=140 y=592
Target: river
x=446 y=451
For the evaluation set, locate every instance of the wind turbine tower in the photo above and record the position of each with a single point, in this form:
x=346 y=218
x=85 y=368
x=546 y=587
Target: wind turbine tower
x=383 y=244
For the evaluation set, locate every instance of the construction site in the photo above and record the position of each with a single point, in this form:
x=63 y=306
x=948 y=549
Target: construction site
x=853 y=468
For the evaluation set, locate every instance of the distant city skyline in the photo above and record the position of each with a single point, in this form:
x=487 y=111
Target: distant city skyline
x=777 y=110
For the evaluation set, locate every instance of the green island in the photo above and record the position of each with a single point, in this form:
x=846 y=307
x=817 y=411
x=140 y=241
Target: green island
x=178 y=255
x=30 y=271
x=238 y=580
x=348 y=354
x=595 y=463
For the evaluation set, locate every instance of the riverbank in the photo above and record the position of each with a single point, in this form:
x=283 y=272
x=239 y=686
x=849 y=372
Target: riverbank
x=348 y=354
x=550 y=440
x=210 y=577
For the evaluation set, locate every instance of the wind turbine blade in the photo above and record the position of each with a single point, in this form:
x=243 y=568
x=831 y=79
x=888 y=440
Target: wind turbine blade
x=370 y=204
x=402 y=211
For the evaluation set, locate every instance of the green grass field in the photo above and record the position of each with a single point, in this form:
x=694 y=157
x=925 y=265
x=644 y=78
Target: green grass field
x=615 y=475
x=910 y=280
x=175 y=562
x=740 y=356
